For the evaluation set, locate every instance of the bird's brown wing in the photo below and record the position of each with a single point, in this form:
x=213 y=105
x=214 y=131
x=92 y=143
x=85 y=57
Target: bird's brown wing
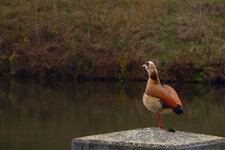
x=165 y=93
x=174 y=93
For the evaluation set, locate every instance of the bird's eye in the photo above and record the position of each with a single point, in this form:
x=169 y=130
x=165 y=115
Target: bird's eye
x=147 y=63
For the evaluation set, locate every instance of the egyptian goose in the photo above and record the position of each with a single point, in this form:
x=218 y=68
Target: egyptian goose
x=160 y=98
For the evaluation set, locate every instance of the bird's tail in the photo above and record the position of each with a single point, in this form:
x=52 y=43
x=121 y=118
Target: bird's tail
x=178 y=109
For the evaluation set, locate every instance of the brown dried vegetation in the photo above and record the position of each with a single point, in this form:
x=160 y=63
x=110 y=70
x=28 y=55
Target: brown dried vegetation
x=111 y=39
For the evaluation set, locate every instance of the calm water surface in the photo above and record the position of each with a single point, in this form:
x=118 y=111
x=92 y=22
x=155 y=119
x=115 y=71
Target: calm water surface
x=46 y=115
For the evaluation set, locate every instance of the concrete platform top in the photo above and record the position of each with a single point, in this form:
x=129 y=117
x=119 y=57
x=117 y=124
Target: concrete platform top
x=149 y=138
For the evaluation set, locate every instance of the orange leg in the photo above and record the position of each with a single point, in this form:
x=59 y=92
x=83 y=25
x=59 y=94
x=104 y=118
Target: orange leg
x=160 y=123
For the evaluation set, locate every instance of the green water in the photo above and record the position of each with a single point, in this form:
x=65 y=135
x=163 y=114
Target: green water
x=46 y=115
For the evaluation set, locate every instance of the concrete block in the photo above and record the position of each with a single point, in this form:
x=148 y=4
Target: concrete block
x=149 y=139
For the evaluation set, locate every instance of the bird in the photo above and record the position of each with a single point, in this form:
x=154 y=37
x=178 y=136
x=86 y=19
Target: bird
x=157 y=98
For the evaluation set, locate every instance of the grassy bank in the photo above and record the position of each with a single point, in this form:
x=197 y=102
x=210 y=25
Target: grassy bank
x=112 y=39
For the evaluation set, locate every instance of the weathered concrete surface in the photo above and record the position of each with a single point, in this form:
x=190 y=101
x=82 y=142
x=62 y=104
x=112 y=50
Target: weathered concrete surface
x=149 y=138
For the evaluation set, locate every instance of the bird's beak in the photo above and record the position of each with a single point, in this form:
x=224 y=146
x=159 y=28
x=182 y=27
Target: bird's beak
x=144 y=65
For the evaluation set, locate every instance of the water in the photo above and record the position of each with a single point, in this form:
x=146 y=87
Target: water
x=46 y=115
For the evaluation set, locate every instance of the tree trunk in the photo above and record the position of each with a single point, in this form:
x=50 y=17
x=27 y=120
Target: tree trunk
x=36 y=22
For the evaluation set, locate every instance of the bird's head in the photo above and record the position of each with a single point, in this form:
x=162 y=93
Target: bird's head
x=150 y=67
x=152 y=72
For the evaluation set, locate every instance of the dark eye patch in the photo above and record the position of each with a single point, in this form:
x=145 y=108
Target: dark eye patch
x=147 y=63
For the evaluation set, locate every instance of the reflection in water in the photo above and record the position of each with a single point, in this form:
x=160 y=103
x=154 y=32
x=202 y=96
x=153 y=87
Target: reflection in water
x=48 y=114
